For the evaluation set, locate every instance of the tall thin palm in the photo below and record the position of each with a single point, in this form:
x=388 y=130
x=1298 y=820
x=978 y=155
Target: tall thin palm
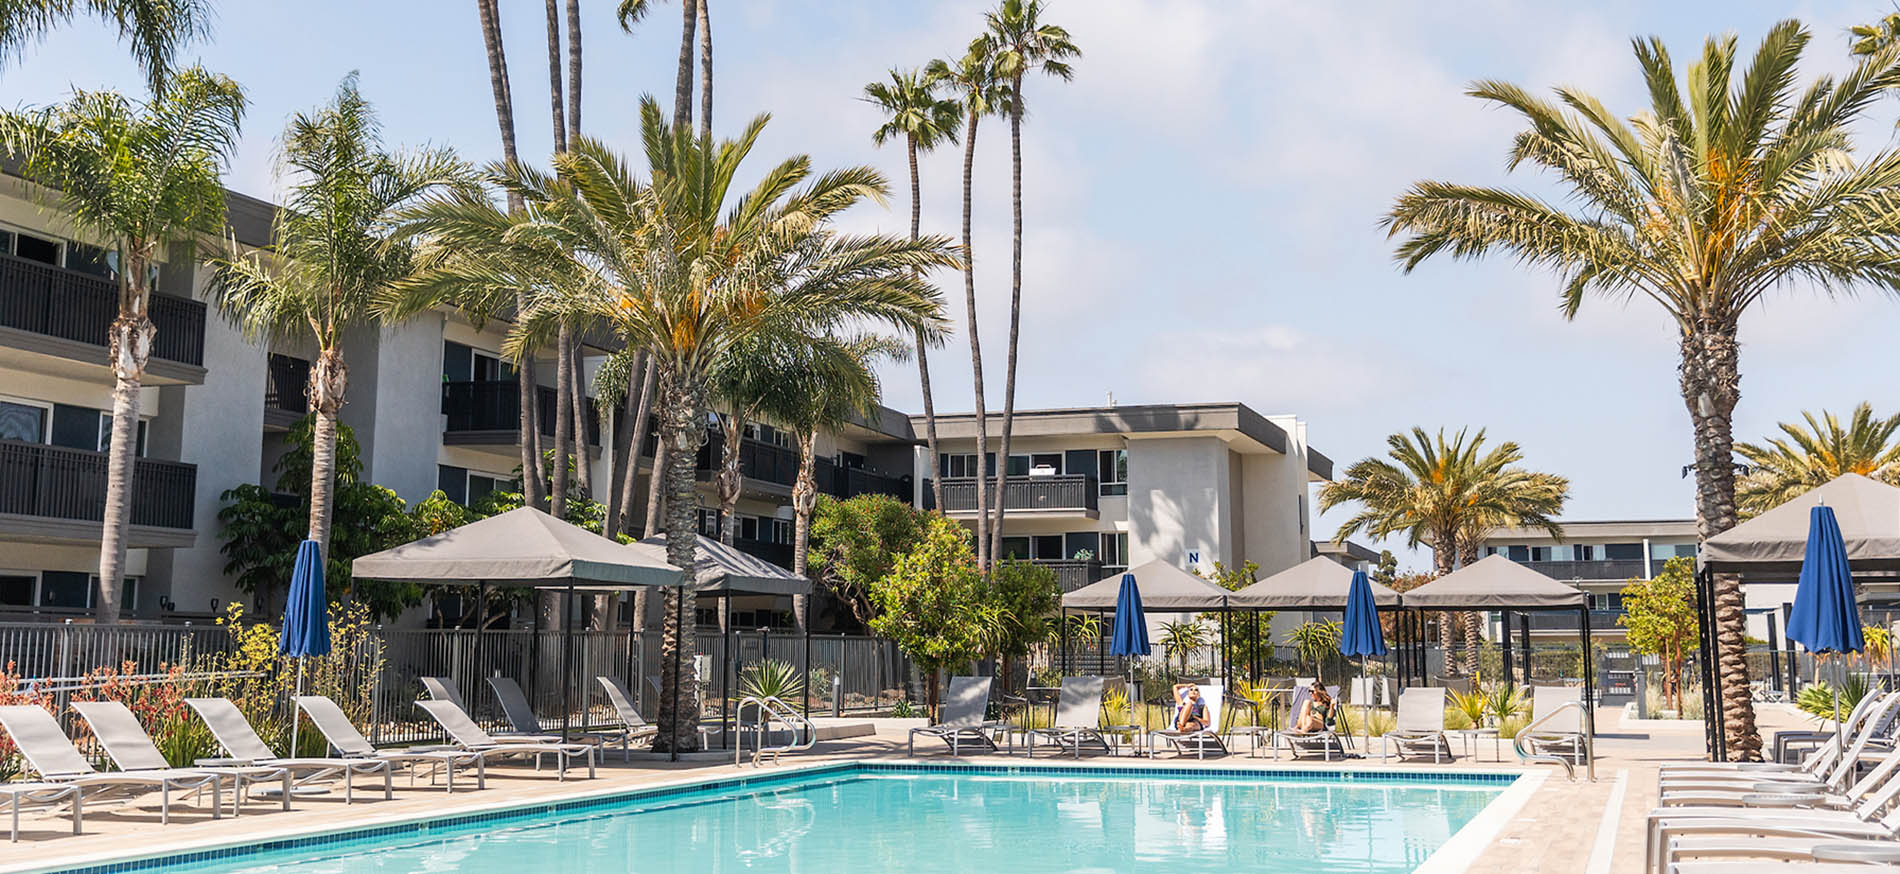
x=144 y=178
x=1518 y=498
x=689 y=270
x=742 y=384
x=914 y=112
x=155 y=30
x=825 y=383
x=979 y=91
x=1443 y=492
x=1016 y=36
x=1702 y=204
x=1781 y=469
x=332 y=260
x=528 y=430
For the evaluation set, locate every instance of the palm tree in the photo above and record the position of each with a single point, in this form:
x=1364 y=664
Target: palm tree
x=631 y=12
x=1445 y=493
x=913 y=111
x=979 y=90
x=1183 y=639
x=157 y=30
x=143 y=176
x=742 y=384
x=1809 y=456
x=687 y=283
x=528 y=433
x=1522 y=498
x=1702 y=205
x=1015 y=35
x=827 y=382
x=332 y=260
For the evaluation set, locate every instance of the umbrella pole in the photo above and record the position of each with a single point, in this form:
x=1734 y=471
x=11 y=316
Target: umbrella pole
x=567 y=653
x=294 y=721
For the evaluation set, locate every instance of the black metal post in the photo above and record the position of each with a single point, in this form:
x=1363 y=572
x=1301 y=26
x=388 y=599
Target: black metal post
x=1774 y=653
x=534 y=651
x=1504 y=623
x=481 y=627
x=567 y=655
x=1589 y=695
x=1524 y=644
x=1794 y=659
x=725 y=674
x=807 y=668
x=1706 y=659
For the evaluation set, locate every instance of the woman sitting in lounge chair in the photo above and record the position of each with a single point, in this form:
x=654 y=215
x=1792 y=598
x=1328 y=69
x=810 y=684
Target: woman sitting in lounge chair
x=1317 y=712
x=1190 y=710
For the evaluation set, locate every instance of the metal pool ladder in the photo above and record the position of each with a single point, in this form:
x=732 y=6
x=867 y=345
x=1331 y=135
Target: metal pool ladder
x=767 y=712
x=1585 y=742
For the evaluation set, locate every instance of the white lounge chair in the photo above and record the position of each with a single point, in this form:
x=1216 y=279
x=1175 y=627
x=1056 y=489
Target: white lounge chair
x=131 y=749
x=1419 y=729
x=1719 y=788
x=1200 y=742
x=1326 y=742
x=346 y=741
x=1078 y=717
x=527 y=726
x=635 y=725
x=471 y=738
x=41 y=795
x=240 y=741
x=50 y=754
x=1556 y=726
x=443 y=689
x=1667 y=825
x=965 y=704
x=1862 y=724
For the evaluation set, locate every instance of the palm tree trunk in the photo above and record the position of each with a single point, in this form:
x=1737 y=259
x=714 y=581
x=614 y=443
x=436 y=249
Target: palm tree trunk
x=683 y=79
x=329 y=379
x=573 y=70
x=679 y=698
x=625 y=460
x=923 y=352
x=804 y=500
x=528 y=435
x=662 y=453
x=1015 y=302
x=976 y=353
x=636 y=445
x=556 y=105
x=131 y=348
x=1711 y=387
x=1443 y=560
x=563 y=425
x=577 y=396
x=1474 y=630
x=705 y=69
x=730 y=478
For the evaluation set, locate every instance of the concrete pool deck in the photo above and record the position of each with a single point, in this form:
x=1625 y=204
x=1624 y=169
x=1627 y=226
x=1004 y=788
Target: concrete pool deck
x=1560 y=827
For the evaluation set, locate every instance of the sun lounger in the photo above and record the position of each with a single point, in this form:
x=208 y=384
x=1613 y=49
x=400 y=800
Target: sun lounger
x=1864 y=723
x=1420 y=727
x=131 y=749
x=50 y=754
x=528 y=729
x=470 y=737
x=240 y=741
x=1325 y=741
x=1201 y=742
x=41 y=795
x=1078 y=717
x=964 y=706
x=1668 y=824
x=635 y=725
x=1684 y=788
x=1551 y=733
x=443 y=689
x=349 y=743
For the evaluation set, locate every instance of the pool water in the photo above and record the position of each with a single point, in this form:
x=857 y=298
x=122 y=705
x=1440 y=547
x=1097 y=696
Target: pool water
x=851 y=822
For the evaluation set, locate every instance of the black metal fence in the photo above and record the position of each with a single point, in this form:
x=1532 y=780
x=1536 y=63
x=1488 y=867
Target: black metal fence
x=1061 y=492
x=37 y=479
x=77 y=306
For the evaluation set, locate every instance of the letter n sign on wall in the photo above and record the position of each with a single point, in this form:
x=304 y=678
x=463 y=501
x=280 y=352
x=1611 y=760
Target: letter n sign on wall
x=1193 y=558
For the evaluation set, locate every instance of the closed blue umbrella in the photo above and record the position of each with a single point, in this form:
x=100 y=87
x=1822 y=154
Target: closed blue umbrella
x=1825 y=617
x=1131 y=627
x=1362 y=635
x=306 y=630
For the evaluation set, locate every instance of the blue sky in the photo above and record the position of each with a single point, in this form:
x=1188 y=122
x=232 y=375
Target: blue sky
x=1202 y=201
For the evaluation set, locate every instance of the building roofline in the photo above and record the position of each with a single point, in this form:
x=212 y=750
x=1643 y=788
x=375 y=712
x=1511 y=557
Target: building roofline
x=1604 y=528
x=1229 y=416
x=1349 y=549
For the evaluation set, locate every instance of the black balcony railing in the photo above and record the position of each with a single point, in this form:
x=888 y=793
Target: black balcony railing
x=1597 y=569
x=287 y=385
x=850 y=482
x=59 y=483
x=1073 y=491
x=77 y=306
x=777 y=553
x=1072 y=574
x=1566 y=620
x=496 y=406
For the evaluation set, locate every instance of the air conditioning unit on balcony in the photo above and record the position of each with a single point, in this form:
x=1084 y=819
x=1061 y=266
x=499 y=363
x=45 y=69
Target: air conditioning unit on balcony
x=1042 y=470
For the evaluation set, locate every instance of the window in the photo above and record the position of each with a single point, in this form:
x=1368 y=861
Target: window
x=489 y=368
x=17 y=589
x=1016 y=548
x=1114 y=552
x=708 y=521
x=105 y=435
x=22 y=422
x=78 y=590
x=1623 y=552
x=481 y=484
x=1019 y=465
x=1112 y=470
x=91 y=260
x=1540 y=553
x=1077 y=542
x=769 y=435
x=964 y=466
x=1047 y=547
x=1519 y=553
x=749 y=529
x=1685 y=550
x=1583 y=552
x=1606 y=601
x=34 y=248
x=452 y=482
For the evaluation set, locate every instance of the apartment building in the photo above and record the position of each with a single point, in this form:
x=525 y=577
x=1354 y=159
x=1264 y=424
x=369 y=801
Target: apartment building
x=1600 y=557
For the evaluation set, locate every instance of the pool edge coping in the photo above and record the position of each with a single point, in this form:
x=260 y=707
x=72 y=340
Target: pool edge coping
x=554 y=804
x=1466 y=845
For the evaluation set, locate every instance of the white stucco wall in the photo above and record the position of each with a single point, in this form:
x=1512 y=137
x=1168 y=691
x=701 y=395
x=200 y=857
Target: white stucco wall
x=1177 y=502
x=407 y=408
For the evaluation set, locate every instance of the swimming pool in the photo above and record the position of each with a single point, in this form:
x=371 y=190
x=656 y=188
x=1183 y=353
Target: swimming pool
x=919 y=820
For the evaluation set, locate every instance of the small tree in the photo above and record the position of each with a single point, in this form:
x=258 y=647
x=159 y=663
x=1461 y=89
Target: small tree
x=1315 y=640
x=1387 y=569
x=1181 y=639
x=1660 y=618
x=934 y=603
x=1249 y=640
x=1023 y=594
x=856 y=541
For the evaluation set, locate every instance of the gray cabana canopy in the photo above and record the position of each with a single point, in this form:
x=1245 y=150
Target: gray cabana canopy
x=1164 y=588
x=1494 y=583
x=522 y=547
x=1315 y=584
x=1775 y=542
x=719 y=569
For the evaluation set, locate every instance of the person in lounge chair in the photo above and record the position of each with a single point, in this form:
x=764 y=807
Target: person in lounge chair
x=1317 y=712
x=1191 y=711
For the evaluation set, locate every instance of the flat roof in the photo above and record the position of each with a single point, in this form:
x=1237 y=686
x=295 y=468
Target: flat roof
x=1230 y=417
x=1595 y=528
x=1349 y=550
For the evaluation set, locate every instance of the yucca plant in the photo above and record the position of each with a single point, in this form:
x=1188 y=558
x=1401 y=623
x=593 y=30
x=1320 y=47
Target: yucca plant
x=771 y=679
x=1474 y=705
x=1502 y=702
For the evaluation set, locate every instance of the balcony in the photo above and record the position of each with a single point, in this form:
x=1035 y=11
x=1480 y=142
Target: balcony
x=1565 y=621
x=850 y=482
x=489 y=414
x=1072 y=574
x=64 y=313
x=1598 y=569
x=1060 y=495
x=286 y=391
x=777 y=553
x=55 y=494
